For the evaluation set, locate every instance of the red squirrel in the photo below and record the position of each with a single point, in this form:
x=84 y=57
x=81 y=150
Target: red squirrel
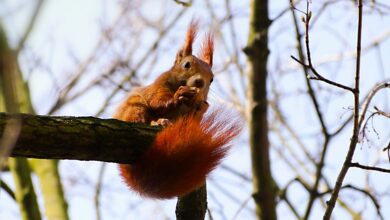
x=191 y=143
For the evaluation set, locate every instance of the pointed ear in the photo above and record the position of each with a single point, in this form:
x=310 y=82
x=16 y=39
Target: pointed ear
x=186 y=50
x=208 y=49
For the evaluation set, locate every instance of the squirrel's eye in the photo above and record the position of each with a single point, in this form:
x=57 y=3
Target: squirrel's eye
x=187 y=65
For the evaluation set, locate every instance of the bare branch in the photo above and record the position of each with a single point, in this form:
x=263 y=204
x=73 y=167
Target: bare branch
x=30 y=26
x=388 y=150
x=356 y=121
x=154 y=46
x=372 y=198
x=183 y=3
x=79 y=138
x=364 y=167
x=317 y=76
x=367 y=101
x=380 y=112
x=7 y=189
x=98 y=189
x=193 y=205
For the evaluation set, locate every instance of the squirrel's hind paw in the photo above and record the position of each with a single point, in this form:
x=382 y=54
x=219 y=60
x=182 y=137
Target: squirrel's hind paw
x=161 y=122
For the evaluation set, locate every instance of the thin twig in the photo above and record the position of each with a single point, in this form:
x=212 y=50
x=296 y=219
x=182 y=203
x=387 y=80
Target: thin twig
x=63 y=93
x=372 y=197
x=346 y=122
x=319 y=76
x=388 y=150
x=380 y=112
x=313 y=191
x=365 y=167
x=242 y=206
x=30 y=26
x=284 y=11
x=356 y=124
x=367 y=101
x=282 y=119
x=310 y=65
x=142 y=60
x=98 y=189
x=233 y=56
x=183 y=3
x=7 y=189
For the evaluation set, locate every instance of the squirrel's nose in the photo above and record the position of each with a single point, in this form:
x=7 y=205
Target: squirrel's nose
x=199 y=83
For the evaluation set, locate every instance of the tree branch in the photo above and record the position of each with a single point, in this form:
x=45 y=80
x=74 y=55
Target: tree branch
x=30 y=26
x=7 y=189
x=356 y=124
x=317 y=76
x=79 y=138
x=192 y=206
x=364 y=167
x=257 y=55
x=367 y=101
x=363 y=191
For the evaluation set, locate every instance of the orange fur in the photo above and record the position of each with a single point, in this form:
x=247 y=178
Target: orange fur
x=208 y=49
x=191 y=145
x=181 y=156
x=191 y=34
x=190 y=37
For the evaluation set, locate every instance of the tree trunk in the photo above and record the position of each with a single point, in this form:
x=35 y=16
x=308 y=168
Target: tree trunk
x=257 y=53
x=56 y=207
x=192 y=206
x=46 y=170
x=24 y=190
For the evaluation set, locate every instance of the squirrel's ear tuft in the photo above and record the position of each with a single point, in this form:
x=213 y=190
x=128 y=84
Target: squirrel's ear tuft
x=208 y=49
x=186 y=50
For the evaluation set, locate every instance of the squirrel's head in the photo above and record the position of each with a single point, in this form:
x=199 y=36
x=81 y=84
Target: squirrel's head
x=193 y=71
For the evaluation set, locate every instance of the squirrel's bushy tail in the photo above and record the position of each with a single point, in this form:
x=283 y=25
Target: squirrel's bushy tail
x=182 y=155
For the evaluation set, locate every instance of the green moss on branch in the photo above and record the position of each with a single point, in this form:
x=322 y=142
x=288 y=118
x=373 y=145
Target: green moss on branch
x=79 y=138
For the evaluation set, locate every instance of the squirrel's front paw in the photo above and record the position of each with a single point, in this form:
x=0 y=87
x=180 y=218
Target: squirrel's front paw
x=161 y=122
x=185 y=94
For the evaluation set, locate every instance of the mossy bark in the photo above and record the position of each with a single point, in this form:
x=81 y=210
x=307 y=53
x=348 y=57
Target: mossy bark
x=79 y=138
x=24 y=190
x=17 y=98
x=53 y=196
